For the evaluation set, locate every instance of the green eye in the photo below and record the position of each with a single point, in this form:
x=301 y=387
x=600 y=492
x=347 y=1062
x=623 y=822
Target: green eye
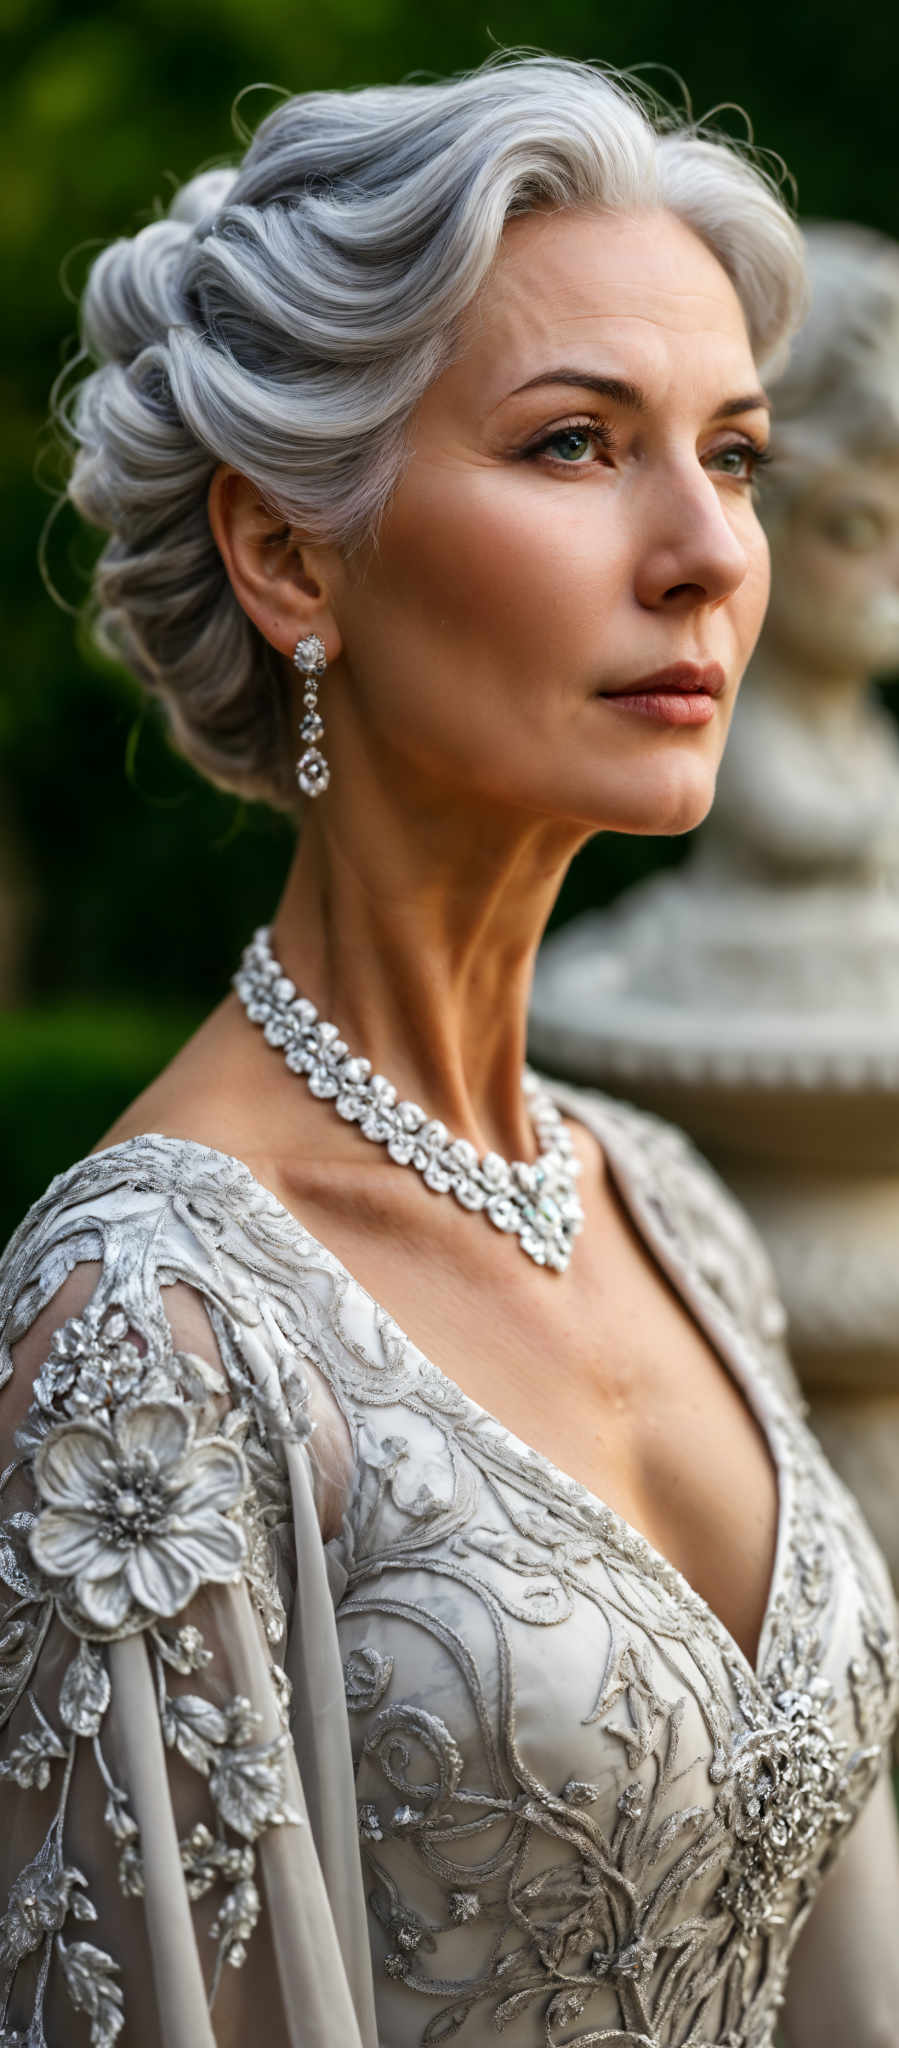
x=740 y=461
x=575 y=445
x=572 y=444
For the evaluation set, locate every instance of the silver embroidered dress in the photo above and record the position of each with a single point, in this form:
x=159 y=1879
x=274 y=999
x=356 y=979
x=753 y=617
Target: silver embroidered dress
x=483 y=1764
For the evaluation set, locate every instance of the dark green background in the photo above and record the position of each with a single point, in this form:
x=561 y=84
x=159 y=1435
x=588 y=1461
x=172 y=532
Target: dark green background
x=144 y=882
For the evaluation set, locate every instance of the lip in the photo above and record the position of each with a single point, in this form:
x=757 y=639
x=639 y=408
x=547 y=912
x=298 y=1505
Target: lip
x=679 y=696
x=683 y=677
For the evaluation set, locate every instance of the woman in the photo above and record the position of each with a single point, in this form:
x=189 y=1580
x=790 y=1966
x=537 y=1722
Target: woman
x=425 y=443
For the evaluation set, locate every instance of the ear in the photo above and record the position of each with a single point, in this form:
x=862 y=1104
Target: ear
x=283 y=584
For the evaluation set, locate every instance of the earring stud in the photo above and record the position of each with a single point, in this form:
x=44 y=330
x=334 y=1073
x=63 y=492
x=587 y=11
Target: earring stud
x=313 y=773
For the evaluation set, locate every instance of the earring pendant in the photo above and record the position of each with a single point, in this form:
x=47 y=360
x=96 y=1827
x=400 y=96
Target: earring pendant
x=313 y=773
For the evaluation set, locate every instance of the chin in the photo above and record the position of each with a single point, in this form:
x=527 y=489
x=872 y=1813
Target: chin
x=660 y=806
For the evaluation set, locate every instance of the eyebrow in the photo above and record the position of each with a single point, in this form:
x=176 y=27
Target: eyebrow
x=622 y=392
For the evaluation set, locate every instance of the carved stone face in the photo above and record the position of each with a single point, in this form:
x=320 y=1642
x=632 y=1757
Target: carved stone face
x=835 y=573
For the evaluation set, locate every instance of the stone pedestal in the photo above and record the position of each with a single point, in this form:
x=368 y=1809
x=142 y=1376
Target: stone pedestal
x=724 y=1010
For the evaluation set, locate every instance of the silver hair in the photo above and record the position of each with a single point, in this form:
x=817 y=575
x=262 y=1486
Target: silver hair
x=286 y=317
x=838 y=395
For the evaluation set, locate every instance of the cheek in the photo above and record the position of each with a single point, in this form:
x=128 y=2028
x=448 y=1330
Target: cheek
x=838 y=579
x=750 y=600
x=503 y=562
x=758 y=575
x=822 y=580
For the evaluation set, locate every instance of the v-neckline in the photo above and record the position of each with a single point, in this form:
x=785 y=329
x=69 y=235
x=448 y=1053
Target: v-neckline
x=711 y=1320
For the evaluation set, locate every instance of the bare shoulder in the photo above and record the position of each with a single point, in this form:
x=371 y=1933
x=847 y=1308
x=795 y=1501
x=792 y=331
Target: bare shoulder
x=222 y=1089
x=225 y=1090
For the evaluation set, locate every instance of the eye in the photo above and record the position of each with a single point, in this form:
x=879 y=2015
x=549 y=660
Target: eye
x=858 y=528
x=743 y=461
x=573 y=445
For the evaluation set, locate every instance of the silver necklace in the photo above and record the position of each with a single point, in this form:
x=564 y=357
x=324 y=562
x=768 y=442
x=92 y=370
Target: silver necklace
x=538 y=1202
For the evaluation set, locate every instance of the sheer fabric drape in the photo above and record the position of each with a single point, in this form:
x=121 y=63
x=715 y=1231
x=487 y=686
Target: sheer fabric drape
x=332 y=1712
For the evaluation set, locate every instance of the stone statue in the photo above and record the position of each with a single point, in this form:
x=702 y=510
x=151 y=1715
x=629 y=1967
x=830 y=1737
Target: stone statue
x=808 y=797
x=753 y=993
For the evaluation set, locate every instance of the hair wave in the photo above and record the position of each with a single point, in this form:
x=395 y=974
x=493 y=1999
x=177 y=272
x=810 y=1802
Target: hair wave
x=287 y=315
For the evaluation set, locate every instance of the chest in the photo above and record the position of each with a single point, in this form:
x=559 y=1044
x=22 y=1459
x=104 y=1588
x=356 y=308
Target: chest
x=603 y=1370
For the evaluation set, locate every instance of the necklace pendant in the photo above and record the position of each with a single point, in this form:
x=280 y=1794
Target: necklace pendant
x=552 y=1220
x=536 y=1202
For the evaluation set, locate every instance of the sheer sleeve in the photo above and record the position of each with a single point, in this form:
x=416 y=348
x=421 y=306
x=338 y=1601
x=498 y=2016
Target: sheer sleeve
x=164 y=1876
x=843 y=1984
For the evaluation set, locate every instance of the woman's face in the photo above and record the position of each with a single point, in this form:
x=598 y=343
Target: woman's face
x=835 y=595
x=577 y=515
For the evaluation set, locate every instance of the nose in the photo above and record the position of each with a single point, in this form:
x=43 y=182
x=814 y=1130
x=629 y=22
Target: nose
x=691 y=555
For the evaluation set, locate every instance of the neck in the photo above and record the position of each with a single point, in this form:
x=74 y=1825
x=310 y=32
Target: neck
x=415 y=931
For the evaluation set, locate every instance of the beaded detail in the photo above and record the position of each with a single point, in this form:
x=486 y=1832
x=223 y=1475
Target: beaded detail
x=313 y=773
x=583 y=1815
x=537 y=1202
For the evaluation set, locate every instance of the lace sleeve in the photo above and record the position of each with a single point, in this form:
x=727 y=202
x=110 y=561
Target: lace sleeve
x=161 y=1879
x=843 y=1984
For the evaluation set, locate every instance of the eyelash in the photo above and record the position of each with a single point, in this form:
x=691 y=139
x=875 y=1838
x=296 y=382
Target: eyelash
x=602 y=433
x=598 y=428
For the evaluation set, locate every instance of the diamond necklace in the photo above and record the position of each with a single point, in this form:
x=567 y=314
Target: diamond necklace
x=538 y=1202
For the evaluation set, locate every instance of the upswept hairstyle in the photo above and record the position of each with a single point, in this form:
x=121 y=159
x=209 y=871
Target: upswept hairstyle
x=286 y=316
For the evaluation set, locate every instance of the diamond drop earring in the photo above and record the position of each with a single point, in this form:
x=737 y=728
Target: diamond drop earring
x=313 y=773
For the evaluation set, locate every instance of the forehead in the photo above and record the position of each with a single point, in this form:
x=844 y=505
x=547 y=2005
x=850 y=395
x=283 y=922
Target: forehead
x=629 y=294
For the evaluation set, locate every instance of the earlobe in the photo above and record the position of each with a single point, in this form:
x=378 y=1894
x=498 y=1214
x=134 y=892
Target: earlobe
x=275 y=577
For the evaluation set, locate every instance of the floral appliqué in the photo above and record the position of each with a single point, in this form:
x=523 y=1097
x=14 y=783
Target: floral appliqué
x=142 y=1494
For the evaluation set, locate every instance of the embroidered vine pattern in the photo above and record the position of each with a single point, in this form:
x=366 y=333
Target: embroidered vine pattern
x=602 y=1916
x=607 y=1906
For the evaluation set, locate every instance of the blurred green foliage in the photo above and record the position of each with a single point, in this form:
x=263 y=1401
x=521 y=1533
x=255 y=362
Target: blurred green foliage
x=67 y=1070
x=144 y=882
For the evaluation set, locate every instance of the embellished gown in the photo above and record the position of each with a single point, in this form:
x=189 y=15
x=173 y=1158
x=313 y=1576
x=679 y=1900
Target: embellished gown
x=482 y=1763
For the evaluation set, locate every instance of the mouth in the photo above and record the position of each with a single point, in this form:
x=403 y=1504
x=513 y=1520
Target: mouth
x=683 y=694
